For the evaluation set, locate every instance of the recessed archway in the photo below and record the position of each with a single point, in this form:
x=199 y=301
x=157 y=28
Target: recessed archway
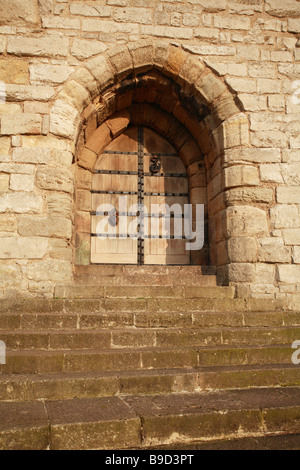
x=130 y=85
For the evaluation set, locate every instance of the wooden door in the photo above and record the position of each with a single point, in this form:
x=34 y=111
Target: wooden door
x=144 y=168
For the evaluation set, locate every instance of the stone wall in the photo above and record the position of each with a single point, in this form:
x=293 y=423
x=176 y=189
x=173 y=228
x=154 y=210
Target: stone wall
x=58 y=61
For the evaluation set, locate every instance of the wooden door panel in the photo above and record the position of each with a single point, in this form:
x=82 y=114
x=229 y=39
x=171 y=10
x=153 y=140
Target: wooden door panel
x=124 y=183
x=112 y=199
x=163 y=201
x=117 y=162
x=172 y=164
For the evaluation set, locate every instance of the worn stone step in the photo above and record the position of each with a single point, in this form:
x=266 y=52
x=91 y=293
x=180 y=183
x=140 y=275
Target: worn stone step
x=148 y=338
x=145 y=279
x=146 y=421
x=103 y=320
x=143 y=292
x=142 y=305
x=145 y=275
x=66 y=385
x=34 y=362
x=269 y=442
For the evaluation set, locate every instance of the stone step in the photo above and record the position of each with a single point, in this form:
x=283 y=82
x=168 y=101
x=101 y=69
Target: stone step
x=149 y=305
x=269 y=442
x=34 y=362
x=120 y=275
x=62 y=321
x=144 y=292
x=66 y=385
x=145 y=421
x=148 y=338
x=145 y=279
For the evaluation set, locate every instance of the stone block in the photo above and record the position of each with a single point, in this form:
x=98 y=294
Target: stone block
x=246 y=221
x=232 y=23
x=288 y=9
x=172 y=32
x=271 y=173
x=23 y=248
x=142 y=55
x=12 y=168
x=190 y=71
x=235 y=131
x=160 y=53
x=291 y=236
x=83 y=222
x=99 y=140
x=4 y=146
x=21 y=202
x=60 y=249
x=29 y=93
x=60 y=205
x=241 y=175
x=289 y=274
x=63 y=119
x=37 y=156
x=241 y=272
x=52 y=227
x=268 y=85
x=75 y=94
x=264 y=273
x=21 y=124
x=90 y=10
x=83 y=49
x=83 y=200
x=225 y=107
x=242 y=250
x=291 y=174
x=294 y=24
x=15 y=12
x=100 y=69
x=83 y=179
x=83 y=249
x=284 y=216
x=273 y=250
x=174 y=61
x=60 y=22
x=296 y=254
x=4 y=183
x=50 y=270
x=87 y=159
x=36 y=107
x=47 y=73
x=8 y=223
x=54 y=46
x=118 y=123
x=53 y=179
x=253 y=155
x=249 y=195
x=210 y=87
x=22 y=183
x=121 y=61
x=133 y=15
x=14 y=71
x=288 y=195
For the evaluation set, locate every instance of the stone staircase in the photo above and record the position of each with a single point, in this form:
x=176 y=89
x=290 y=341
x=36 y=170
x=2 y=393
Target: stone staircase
x=148 y=358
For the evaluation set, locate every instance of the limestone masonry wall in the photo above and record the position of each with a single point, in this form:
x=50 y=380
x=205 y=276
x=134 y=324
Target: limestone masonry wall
x=60 y=64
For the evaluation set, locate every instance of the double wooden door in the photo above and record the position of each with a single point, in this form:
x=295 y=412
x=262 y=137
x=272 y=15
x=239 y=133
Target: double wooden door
x=135 y=182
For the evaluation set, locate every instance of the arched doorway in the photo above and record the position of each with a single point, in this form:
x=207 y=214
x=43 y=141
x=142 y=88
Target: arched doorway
x=140 y=192
x=175 y=94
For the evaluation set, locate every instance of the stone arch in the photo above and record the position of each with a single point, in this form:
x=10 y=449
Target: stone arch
x=202 y=104
x=102 y=73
